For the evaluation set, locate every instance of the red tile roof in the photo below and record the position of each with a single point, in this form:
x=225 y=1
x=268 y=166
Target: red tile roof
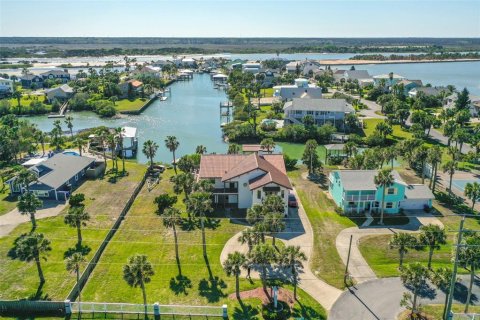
x=252 y=148
x=228 y=167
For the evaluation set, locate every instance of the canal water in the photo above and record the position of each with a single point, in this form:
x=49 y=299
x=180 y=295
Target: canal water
x=191 y=113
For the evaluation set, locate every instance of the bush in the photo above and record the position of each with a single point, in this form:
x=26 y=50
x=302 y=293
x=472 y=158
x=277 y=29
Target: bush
x=164 y=201
x=290 y=163
x=268 y=314
x=339 y=211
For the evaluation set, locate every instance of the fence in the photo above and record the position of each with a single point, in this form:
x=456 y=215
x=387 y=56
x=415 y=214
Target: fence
x=27 y=308
x=91 y=265
x=151 y=309
x=465 y=316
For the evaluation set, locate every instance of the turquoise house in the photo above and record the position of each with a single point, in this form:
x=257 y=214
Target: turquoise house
x=355 y=192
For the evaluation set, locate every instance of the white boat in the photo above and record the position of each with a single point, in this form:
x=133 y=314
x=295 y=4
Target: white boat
x=163 y=98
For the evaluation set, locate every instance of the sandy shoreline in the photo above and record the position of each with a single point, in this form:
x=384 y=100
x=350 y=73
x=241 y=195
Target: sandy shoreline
x=339 y=62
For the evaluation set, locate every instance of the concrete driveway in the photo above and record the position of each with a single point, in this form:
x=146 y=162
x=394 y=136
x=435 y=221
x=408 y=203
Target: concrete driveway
x=380 y=299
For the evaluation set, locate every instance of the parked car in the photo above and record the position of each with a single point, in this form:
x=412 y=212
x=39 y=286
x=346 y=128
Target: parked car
x=292 y=201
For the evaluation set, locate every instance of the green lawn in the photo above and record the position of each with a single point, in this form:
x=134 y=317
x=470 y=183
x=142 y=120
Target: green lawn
x=326 y=224
x=268 y=92
x=436 y=310
x=104 y=200
x=203 y=282
x=7 y=203
x=130 y=105
x=384 y=261
x=295 y=150
x=398 y=132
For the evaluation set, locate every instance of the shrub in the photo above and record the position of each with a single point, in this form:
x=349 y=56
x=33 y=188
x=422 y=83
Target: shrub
x=269 y=314
x=290 y=163
x=164 y=201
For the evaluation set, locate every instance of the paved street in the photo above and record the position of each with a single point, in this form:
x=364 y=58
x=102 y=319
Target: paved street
x=380 y=299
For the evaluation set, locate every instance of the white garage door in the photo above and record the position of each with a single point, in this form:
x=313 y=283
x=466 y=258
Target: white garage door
x=414 y=204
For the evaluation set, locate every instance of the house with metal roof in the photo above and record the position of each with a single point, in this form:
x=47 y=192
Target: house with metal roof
x=241 y=181
x=56 y=74
x=322 y=111
x=355 y=191
x=31 y=81
x=57 y=176
x=301 y=87
x=62 y=93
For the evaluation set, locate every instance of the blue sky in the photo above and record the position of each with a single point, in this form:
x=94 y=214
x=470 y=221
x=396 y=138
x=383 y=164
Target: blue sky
x=248 y=18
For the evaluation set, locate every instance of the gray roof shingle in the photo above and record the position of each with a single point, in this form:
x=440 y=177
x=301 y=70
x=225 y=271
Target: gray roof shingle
x=356 y=180
x=335 y=105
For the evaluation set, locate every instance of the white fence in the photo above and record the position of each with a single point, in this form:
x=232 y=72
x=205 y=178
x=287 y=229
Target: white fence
x=152 y=309
x=466 y=316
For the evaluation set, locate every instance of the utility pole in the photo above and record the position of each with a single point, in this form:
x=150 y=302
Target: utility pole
x=348 y=260
x=454 y=273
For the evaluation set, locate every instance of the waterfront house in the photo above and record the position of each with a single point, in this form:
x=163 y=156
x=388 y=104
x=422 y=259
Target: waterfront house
x=129 y=141
x=61 y=93
x=427 y=91
x=31 y=81
x=6 y=87
x=130 y=88
x=57 y=176
x=354 y=191
x=297 y=90
x=310 y=68
x=474 y=106
x=409 y=85
x=252 y=67
x=56 y=74
x=153 y=71
x=253 y=148
x=293 y=66
x=323 y=111
x=388 y=79
x=241 y=181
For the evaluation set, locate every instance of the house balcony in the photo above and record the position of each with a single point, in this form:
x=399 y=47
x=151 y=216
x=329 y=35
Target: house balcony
x=359 y=198
x=225 y=190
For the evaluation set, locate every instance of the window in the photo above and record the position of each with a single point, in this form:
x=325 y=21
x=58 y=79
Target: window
x=298 y=111
x=389 y=205
x=376 y=204
x=391 y=191
x=259 y=194
x=76 y=177
x=351 y=204
x=282 y=193
x=310 y=112
x=41 y=193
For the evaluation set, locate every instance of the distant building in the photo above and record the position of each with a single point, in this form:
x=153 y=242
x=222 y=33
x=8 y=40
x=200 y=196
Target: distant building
x=55 y=74
x=252 y=67
x=428 y=91
x=241 y=181
x=409 y=85
x=129 y=141
x=6 y=87
x=31 y=81
x=474 y=106
x=388 y=79
x=62 y=93
x=356 y=192
x=323 y=111
x=150 y=70
x=130 y=87
x=301 y=88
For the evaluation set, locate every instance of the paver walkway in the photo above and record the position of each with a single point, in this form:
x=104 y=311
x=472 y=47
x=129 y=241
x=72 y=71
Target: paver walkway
x=298 y=232
x=10 y=220
x=358 y=266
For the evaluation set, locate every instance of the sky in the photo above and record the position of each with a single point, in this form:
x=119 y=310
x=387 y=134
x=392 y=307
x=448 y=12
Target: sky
x=247 y=18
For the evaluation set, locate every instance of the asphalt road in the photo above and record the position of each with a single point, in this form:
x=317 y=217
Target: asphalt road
x=380 y=299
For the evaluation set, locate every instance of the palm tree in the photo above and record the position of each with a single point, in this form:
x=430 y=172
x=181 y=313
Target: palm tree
x=33 y=247
x=112 y=142
x=199 y=204
x=263 y=255
x=414 y=275
x=69 y=123
x=73 y=264
x=233 y=148
x=268 y=144
x=450 y=168
x=201 y=149
x=172 y=144
x=432 y=236
x=350 y=149
x=138 y=272
x=80 y=144
x=402 y=241
x=183 y=182
x=171 y=218
x=232 y=266
x=119 y=137
x=18 y=95
x=77 y=217
x=383 y=179
x=434 y=158
x=24 y=178
x=469 y=257
x=149 y=150
x=41 y=137
x=28 y=204
x=249 y=237
x=114 y=99
x=420 y=155
x=275 y=224
x=292 y=257
x=441 y=278
x=472 y=191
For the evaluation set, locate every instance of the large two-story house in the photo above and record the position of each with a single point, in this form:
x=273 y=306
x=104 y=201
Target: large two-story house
x=301 y=88
x=56 y=74
x=322 y=111
x=240 y=181
x=355 y=191
x=31 y=81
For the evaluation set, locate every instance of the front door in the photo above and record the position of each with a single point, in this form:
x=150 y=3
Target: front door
x=367 y=207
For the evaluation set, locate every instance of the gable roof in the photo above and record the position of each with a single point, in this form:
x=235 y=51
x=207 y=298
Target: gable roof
x=418 y=191
x=54 y=71
x=356 y=180
x=64 y=88
x=228 y=167
x=335 y=105
x=30 y=77
x=357 y=74
x=407 y=82
x=61 y=168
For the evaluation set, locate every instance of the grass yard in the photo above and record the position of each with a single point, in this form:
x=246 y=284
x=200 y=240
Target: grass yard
x=436 y=310
x=326 y=224
x=202 y=282
x=7 y=203
x=268 y=92
x=398 y=132
x=104 y=201
x=384 y=261
x=295 y=150
x=130 y=105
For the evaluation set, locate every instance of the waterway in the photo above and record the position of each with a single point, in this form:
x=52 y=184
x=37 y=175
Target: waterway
x=191 y=113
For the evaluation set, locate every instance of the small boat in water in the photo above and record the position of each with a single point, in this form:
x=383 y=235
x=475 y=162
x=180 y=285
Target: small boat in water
x=163 y=98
